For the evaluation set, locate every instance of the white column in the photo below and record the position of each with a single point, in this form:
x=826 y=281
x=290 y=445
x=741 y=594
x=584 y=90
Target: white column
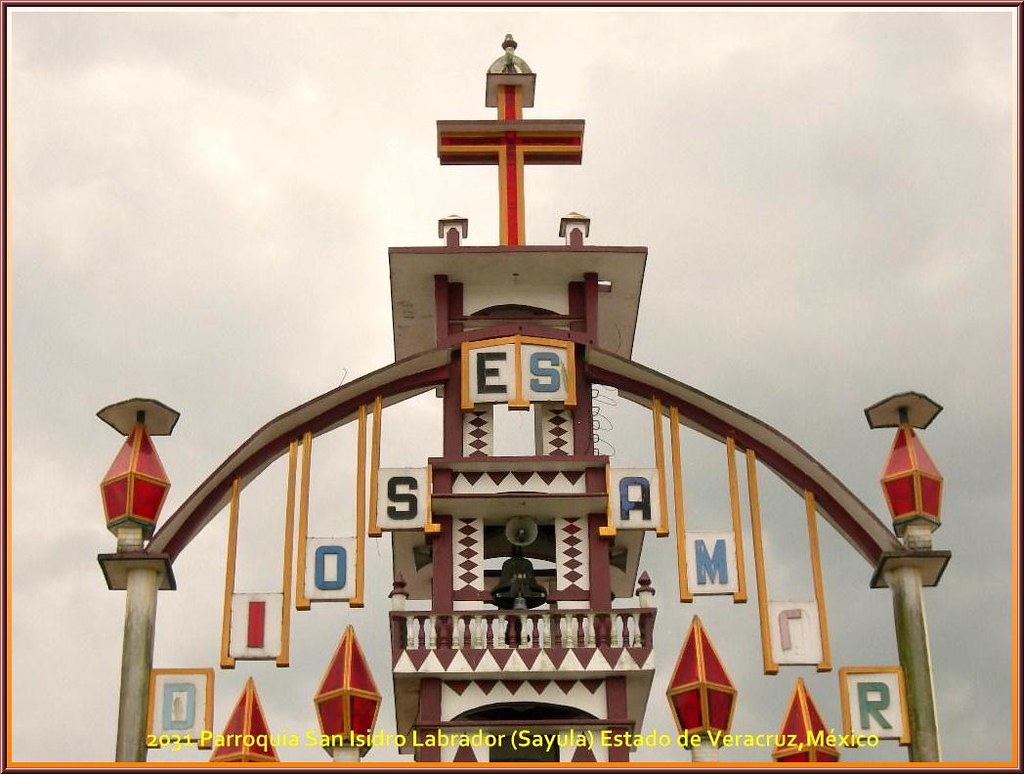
x=136 y=663
x=915 y=658
x=705 y=752
x=345 y=754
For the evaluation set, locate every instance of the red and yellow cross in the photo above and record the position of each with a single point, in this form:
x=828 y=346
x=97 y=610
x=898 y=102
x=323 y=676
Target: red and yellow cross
x=511 y=143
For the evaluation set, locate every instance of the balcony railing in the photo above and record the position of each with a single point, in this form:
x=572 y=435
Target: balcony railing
x=503 y=629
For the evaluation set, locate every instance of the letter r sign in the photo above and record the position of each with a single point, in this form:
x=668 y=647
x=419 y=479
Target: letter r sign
x=873 y=701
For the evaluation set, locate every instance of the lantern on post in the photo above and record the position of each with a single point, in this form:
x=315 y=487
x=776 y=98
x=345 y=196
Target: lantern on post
x=801 y=731
x=135 y=487
x=347 y=701
x=700 y=693
x=910 y=480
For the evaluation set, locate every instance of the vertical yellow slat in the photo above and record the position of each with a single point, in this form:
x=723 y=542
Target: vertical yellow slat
x=226 y=661
x=374 y=530
x=770 y=667
x=737 y=526
x=430 y=528
x=825 y=665
x=301 y=601
x=659 y=462
x=677 y=491
x=357 y=600
x=286 y=580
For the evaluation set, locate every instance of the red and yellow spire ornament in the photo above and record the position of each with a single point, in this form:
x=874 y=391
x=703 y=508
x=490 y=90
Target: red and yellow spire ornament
x=700 y=693
x=910 y=480
x=348 y=700
x=803 y=733
x=510 y=142
x=246 y=734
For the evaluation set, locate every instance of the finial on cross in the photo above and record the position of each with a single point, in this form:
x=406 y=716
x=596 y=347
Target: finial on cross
x=510 y=142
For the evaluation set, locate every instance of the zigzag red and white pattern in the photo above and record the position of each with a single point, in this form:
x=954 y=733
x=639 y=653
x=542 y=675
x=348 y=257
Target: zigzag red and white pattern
x=478 y=432
x=544 y=481
x=468 y=554
x=572 y=556
x=555 y=429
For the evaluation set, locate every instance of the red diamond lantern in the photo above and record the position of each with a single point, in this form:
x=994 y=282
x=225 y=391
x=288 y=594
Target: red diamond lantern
x=247 y=734
x=700 y=693
x=347 y=700
x=135 y=487
x=910 y=480
x=800 y=731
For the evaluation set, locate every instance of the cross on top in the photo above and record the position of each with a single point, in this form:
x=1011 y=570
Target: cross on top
x=510 y=142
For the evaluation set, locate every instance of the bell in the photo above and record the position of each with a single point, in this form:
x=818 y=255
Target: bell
x=517 y=589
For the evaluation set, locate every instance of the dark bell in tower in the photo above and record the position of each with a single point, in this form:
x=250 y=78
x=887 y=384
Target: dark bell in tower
x=517 y=588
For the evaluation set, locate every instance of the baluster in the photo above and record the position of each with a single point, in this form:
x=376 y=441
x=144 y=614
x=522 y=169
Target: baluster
x=646 y=630
x=513 y=627
x=421 y=634
x=581 y=630
x=490 y=631
x=545 y=621
x=634 y=625
x=477 y=631
x=614 y=633
x=587 y=625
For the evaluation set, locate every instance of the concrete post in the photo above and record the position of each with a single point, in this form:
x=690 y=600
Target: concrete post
x=915 y=658
x=345 y=754
x=705 y=752
x=136 y=662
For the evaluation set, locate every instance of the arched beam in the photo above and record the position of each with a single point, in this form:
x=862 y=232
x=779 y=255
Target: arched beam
x=418 y=373
x=709 y=416
x=396 y=382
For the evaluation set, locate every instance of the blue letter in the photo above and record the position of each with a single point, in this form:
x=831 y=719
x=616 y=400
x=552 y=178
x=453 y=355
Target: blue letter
x=554 y=378
x=341 y=559
x=643 y=504
x=710 y=567
x=179 y=706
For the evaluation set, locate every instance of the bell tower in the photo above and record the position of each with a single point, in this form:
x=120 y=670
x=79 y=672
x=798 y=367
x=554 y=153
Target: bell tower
x=506 y=645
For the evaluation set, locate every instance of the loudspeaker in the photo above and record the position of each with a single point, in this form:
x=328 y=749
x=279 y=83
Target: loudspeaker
x=521 y=531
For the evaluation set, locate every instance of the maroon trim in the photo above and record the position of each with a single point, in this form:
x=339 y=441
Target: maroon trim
x=513 y=329
x=600 y=567
x=453 y=429
x=577 y=306
x=615 y=696
x=506 y=249
x=779 y=464
x=583 y=414
x=442 y=580
x=442 y=480
x=590 y=305
x=441 y=308
x=623 y=721
x=594 y=462
x=198 y=518
x=455 y=295
x=429 y=717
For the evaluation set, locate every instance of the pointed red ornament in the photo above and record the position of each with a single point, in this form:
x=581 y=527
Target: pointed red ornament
x=911 y=482
x=800 y=731
x=136 y=485
x=246 y=735
x=347 y=700
x=700 y=693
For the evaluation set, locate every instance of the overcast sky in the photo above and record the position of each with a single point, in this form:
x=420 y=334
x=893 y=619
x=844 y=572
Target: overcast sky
x=201 y=206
